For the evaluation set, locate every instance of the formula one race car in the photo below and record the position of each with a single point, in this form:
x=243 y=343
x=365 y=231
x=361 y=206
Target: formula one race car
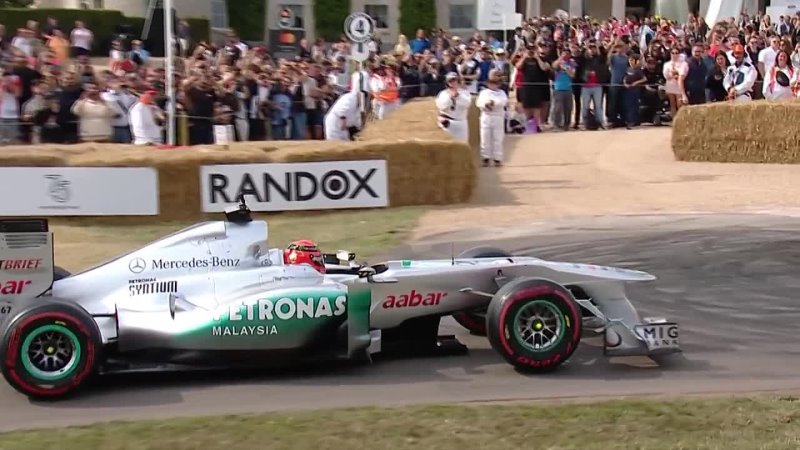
x=215 y=295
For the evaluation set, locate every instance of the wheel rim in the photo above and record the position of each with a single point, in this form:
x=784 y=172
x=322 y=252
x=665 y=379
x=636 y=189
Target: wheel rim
x=51 y=353
x=539 y=326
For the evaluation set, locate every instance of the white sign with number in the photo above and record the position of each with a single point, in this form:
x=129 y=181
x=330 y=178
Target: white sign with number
x=359 y=27
x=491 y=12
x=359 y=52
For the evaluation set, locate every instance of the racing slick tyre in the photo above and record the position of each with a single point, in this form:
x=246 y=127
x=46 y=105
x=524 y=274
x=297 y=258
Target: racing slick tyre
x=534 y=323
x=50 y=350
x=475 y=322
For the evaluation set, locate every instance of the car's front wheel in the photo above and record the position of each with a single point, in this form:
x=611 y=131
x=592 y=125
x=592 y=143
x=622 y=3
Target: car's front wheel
x=49 y=351
x=535 y=324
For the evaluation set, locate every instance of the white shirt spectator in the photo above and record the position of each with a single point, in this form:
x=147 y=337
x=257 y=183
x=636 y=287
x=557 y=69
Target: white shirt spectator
x=116 y=55
x=672 y=86
x=470 y=67
x=121 y=102
x=95 y=119
x=144 y=127
x=767 y=58
x=772 y=90
x=261 y=96
x=24 y=44
x=82 y=37
x=338 y=80
x=309 y=85
x=9 y=102
x=243 y=48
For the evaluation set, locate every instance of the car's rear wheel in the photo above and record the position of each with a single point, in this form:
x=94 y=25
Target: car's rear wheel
x=475 y=321
x=50 y=350
x=535 y=324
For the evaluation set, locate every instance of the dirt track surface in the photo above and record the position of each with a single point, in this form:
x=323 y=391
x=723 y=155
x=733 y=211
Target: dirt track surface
x=727 y=280
x=559 y=175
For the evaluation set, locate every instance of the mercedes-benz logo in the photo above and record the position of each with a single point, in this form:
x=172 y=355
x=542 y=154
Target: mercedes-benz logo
x=137 y=265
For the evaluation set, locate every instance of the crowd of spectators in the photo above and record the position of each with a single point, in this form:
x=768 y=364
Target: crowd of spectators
x=562 y=72
x=646 y=70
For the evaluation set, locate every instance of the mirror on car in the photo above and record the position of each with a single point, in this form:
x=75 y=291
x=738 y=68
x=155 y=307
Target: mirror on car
x=369 y=273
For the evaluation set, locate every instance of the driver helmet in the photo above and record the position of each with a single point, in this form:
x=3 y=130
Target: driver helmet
x=304 y=252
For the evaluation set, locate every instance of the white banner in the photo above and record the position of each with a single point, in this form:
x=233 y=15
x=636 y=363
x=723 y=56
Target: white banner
x=491 y=14
x=79 y=191
x=296 y=186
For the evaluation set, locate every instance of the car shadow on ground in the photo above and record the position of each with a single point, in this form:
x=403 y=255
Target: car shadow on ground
x=479 y=365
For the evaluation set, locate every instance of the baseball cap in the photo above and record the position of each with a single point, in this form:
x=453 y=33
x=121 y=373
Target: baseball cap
x=451 y=76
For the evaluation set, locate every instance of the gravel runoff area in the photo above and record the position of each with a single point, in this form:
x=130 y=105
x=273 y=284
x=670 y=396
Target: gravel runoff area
x=561 y=175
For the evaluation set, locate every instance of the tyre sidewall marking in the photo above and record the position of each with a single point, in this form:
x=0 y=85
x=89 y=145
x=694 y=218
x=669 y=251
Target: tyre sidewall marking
x=14 y=347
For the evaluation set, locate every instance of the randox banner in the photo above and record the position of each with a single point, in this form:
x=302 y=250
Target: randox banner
x=79 y=191
x=296 y=186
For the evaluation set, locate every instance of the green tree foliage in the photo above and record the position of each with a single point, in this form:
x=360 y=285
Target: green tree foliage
x=329 y=16
x=248 y=18
x=416 y=14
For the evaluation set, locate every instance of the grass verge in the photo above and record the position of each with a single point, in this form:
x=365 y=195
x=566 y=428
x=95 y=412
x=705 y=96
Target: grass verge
x=722 y=423
x=81 y=244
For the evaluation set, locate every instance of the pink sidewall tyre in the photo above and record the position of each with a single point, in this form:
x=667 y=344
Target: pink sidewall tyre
x=50 y=351
x=534 y=324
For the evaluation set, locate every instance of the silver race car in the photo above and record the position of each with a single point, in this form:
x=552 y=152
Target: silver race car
x=215 y=295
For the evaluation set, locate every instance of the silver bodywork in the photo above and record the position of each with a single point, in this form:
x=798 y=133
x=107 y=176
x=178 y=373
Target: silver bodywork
x=154 y=296
x=467 y=284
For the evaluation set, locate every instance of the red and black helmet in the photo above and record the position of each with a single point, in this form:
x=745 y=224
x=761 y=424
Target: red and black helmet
x=304 y=252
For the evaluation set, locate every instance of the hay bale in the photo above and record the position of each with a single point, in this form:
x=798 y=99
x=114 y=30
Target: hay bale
x=425 y=165
x=755 y=132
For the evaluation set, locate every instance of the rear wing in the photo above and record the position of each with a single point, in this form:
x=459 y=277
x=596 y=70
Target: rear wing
x=26 y=259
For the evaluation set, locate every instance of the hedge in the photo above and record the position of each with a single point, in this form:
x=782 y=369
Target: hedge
x=102 y=23
x=415 y=14
x=329 y=16
x=247 y=18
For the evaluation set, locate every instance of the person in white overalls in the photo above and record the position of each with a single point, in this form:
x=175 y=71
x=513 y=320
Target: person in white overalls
x=344 y=114
x=740 y=77
x=453 y=103
x=492 y=103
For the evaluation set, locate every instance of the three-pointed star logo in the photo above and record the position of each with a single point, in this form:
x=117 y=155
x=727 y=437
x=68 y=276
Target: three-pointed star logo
x=137 y=265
